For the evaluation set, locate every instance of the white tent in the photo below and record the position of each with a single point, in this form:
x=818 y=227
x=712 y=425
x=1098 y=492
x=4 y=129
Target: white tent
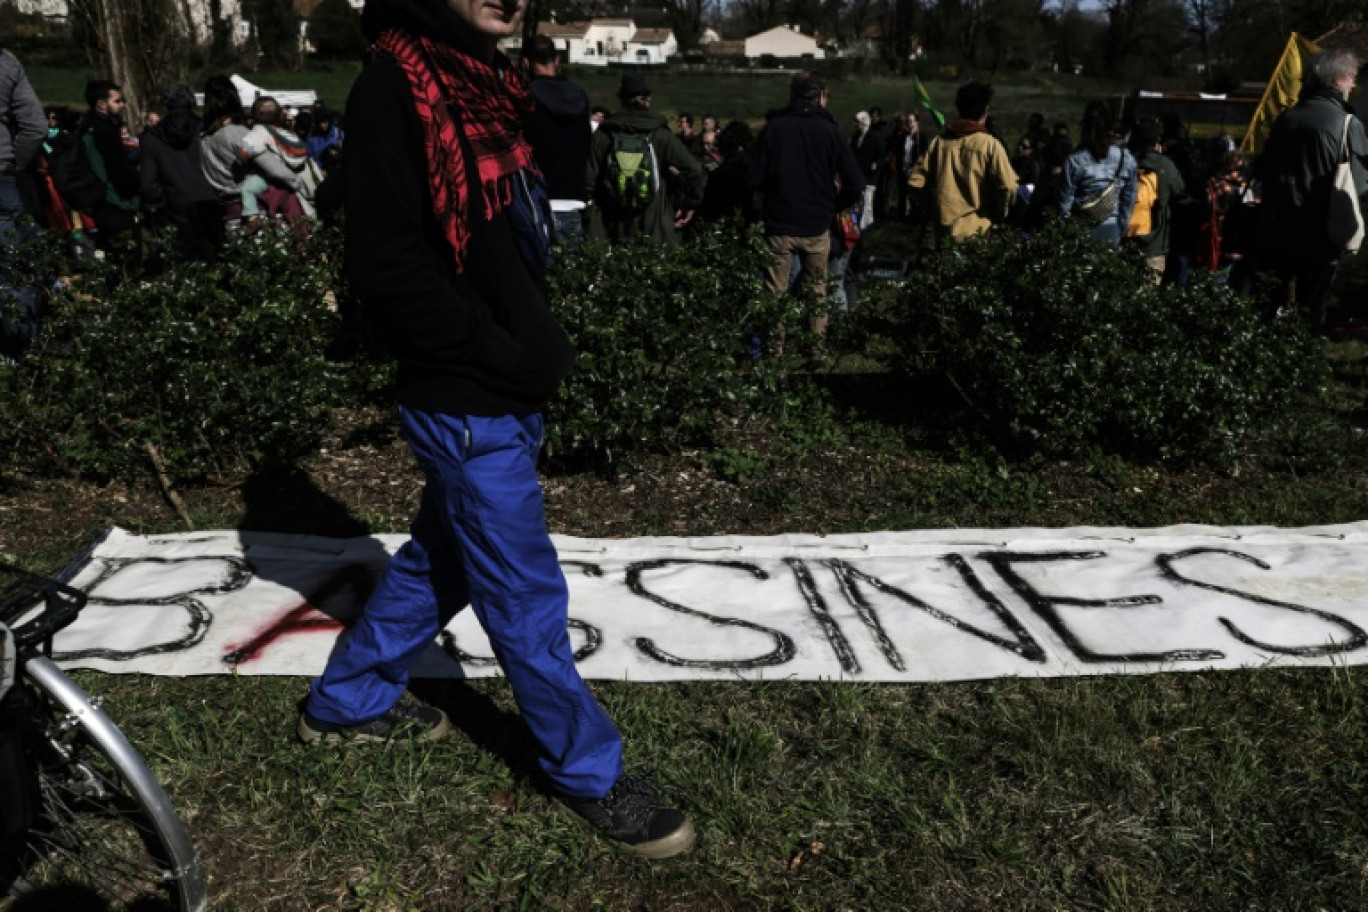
x=287 y=98
x=249 y=93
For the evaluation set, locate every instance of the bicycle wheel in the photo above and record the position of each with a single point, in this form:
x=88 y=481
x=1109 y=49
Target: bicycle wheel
x=105 y=823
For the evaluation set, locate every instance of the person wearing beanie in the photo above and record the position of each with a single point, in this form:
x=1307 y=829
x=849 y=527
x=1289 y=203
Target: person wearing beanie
x=677 y=177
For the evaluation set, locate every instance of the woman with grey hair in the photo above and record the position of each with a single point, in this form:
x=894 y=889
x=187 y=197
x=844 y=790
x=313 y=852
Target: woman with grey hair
x=1306 y=145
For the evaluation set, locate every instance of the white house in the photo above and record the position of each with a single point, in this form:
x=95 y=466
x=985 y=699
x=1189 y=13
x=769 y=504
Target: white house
x=783 y=41
x=600 y=42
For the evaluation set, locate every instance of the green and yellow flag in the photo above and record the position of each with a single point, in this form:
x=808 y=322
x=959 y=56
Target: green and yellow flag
x=1281 y=94
x=925 y=100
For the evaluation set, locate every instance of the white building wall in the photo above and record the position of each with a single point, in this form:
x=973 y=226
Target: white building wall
x=782 y=41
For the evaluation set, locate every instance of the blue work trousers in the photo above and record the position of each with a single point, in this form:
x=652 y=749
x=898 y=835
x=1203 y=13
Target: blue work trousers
x=480 y=539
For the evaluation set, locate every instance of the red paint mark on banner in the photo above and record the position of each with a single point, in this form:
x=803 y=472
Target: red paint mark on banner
x=306 y=618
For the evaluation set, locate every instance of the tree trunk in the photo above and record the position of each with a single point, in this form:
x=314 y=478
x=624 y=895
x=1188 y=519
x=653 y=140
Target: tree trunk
x=145 y=45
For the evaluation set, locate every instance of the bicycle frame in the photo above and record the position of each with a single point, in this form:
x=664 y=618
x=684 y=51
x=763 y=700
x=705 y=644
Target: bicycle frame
x=105 y=764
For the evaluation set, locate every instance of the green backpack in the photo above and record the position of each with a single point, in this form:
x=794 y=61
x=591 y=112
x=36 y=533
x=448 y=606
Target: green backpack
x=631 y=173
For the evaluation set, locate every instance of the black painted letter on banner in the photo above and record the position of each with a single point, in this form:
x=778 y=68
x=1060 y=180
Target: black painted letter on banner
x=1023 y=645
x=784 y=648
x=1047 y=606
x=1356 y=640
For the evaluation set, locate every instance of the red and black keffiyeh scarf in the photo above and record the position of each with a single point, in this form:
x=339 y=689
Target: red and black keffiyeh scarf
x=459 y=96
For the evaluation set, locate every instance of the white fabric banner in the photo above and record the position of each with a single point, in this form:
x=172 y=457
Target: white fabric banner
x=905 y=606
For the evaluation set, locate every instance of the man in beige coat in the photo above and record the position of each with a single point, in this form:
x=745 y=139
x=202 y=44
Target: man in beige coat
x=965 y=184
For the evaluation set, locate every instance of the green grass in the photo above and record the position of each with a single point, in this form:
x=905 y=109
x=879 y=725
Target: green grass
x=1197 y=791
x=744 y=96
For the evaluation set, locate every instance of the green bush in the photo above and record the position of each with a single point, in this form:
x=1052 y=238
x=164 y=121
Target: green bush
x=1059 y=346
x=220 y=367
x=666 y=340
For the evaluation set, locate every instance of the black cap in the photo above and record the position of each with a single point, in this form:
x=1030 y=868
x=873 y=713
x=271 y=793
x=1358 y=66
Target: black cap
x=541 y=49
x=178 y=95
x=633 y=84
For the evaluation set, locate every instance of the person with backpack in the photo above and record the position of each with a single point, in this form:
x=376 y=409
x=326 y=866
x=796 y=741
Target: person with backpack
x=22 y=130
x=1159 y=181
x=641 y=179
x=100 y=133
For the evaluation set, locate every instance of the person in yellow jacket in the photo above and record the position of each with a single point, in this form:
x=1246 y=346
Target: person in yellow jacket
x=964 y=183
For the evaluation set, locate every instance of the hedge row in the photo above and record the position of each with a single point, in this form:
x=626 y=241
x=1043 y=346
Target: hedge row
x=1058 y=346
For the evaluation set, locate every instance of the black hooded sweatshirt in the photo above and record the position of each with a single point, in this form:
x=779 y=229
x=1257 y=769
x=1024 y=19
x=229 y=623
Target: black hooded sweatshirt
x=559 y=132
x=170 y=172
x=478 y=342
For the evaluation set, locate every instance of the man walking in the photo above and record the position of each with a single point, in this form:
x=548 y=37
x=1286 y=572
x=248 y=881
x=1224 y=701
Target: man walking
x=799 y=160
x=1296 y=168
x=559 y=130
x=642 y=179
x=23 y=127
x=964 y=182
x=435 y=199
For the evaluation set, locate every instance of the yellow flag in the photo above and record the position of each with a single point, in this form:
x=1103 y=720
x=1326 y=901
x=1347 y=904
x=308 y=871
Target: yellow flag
x=1281 y=93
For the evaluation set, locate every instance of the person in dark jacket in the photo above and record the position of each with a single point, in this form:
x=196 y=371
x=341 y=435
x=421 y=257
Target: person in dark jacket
x=558 y=129
x=1147 y=144
x=174 y=189
x=805 y=172
x=23 y=127
x=1296 y=169
x=435 y=197
x=677 y=191
x=869 y=147
x=117 y=214
x=692 y=139
x=728 y=191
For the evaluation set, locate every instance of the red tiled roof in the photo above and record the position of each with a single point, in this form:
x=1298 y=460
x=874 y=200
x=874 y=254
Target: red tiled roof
x=562 y=29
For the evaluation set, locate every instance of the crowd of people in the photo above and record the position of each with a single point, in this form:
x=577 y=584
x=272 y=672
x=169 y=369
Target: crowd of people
x=210 y=171
x=1183 y=203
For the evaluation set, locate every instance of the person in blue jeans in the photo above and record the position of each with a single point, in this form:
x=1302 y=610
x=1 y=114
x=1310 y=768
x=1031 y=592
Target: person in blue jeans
x=1099 y=166
x=435 y=201
x=23 y=127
